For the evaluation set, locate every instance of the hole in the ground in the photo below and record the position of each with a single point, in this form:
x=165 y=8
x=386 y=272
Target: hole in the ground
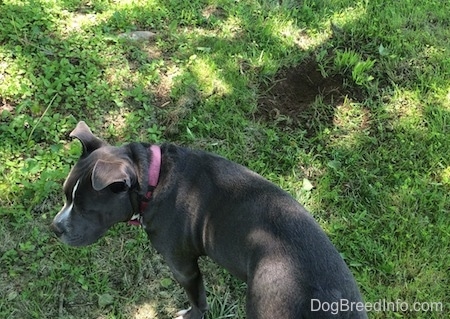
x=292 y=99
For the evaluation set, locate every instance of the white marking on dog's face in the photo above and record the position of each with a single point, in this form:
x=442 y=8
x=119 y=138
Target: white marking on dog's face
x=75 y=187
x=64 y=213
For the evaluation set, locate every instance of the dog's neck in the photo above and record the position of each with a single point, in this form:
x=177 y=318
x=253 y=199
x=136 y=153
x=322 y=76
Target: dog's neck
x=153 y=177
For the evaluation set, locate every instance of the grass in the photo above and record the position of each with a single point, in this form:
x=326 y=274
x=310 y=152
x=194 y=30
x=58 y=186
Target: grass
x=372 y=167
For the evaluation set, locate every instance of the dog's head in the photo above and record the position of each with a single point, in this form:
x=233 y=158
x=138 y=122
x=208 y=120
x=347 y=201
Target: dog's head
x=97 y=191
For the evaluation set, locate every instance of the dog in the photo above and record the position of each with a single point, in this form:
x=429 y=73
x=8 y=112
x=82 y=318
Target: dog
x=192 y=203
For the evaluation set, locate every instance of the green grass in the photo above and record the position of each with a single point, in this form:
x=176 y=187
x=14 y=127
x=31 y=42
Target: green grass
x=373 y=169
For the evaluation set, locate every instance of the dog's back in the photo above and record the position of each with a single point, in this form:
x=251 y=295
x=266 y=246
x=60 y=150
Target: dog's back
x=263 y=236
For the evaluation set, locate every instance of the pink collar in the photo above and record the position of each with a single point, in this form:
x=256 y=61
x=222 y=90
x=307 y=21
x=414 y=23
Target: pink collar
x=153 y=177
x=155 y=166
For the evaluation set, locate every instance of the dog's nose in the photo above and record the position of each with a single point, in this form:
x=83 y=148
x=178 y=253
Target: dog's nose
x=57 y=229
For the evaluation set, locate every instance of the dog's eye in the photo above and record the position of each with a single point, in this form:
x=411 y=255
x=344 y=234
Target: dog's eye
x=118 y=187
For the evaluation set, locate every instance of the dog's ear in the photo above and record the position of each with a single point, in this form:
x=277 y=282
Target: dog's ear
x=107 y=173
x=89 y=141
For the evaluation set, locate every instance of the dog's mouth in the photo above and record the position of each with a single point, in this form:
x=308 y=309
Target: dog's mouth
x=57 y=230
x=74 y=230
x=80 y=238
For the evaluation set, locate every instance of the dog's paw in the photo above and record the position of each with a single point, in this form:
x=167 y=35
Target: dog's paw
x=180 y=314
x=186 y=314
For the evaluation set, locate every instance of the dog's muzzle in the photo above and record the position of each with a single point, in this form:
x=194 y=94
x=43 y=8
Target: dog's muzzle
x=58 y=226
x=57 y=230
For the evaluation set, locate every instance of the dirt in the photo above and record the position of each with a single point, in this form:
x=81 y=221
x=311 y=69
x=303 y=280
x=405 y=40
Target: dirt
x=301 y=93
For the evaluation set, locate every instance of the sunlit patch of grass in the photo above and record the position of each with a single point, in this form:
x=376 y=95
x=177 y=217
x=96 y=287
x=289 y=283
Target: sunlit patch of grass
x=209 y=76
x=407 y=110
x=232 y=28
x=444 y=176
x=14 y=83
x=350 y=14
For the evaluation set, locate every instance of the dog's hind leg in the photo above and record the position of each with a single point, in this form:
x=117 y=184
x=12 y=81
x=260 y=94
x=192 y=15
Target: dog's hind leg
x=272 y=291
x=188 y=275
